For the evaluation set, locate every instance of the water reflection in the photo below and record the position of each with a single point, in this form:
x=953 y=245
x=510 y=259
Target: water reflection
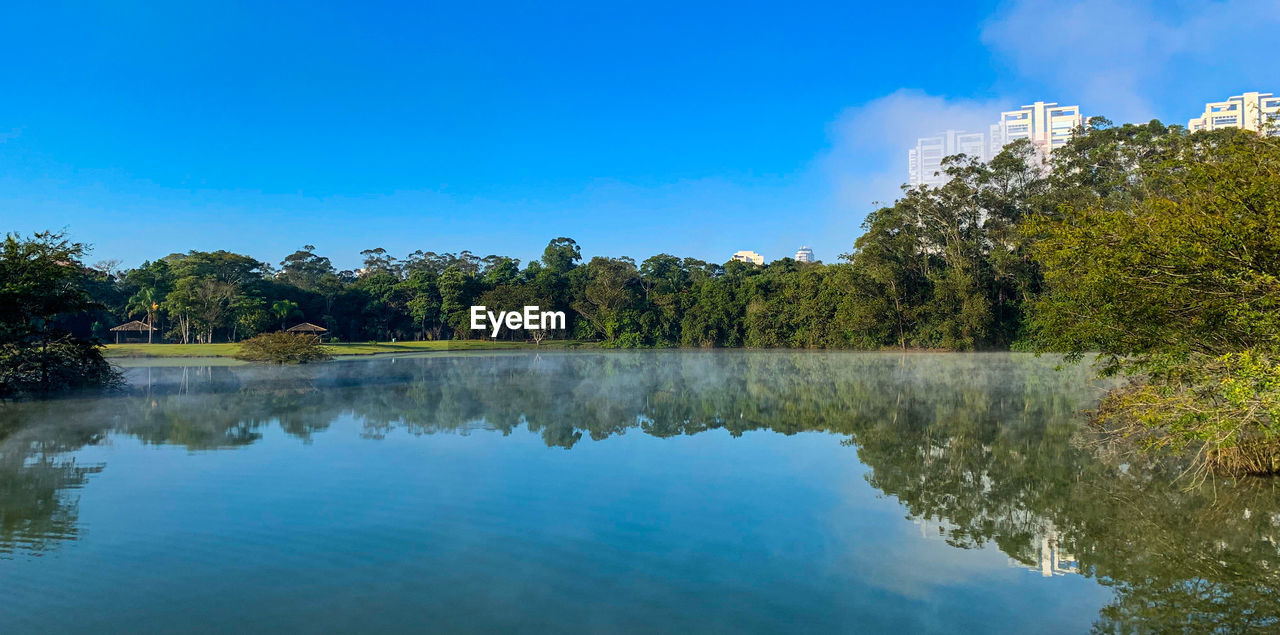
x=978 y=449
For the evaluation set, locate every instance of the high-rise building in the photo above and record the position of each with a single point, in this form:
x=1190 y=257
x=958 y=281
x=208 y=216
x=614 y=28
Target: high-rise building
x=1250 y=111
x=804 y=255
x=994 y=146
x=924 y=162
x=1046 y=124
x=749 y=256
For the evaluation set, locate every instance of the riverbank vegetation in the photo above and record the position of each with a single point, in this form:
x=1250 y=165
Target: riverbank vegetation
x=281 y=347
x=338 y=349
x=1167 y=264
x=42 y=288
x=1155 y=247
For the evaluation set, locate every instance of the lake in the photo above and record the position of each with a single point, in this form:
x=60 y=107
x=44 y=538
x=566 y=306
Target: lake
x=727 y=491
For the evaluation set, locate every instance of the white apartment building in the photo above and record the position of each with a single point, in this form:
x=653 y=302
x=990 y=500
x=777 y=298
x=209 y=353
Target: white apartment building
x=804 y=254
x=748 y=256
x=924 y=162
x=1250 y=111
x=1046 y=124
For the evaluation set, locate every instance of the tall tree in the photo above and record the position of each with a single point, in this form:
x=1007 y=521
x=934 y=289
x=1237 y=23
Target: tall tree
x=38 y=283
x=146 y=302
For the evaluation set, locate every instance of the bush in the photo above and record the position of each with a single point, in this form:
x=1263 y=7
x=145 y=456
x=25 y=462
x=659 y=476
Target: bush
x=282 y=348
x=63 y=364
x=1224 y=412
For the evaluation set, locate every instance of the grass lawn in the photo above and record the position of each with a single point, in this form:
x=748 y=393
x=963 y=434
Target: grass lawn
x=339 y=349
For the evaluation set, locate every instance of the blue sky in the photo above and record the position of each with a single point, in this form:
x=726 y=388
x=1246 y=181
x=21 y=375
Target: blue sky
x=694 y=129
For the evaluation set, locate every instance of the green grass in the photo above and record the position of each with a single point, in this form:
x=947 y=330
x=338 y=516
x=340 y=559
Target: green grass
x=337 y=350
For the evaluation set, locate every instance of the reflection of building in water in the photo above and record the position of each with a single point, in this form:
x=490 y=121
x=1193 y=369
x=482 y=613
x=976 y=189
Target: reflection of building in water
x=1051 y=560
x=931 y=528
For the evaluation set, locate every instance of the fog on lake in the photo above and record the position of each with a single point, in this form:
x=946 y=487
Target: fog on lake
x=639 y=491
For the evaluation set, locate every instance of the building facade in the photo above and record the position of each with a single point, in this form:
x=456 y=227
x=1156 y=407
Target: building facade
x=924 y=162
x=748 y=256
x=1250 y=111
x=1046 y=124
x=804 y=255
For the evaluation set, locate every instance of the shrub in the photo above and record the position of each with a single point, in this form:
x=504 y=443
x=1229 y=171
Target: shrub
x=1224 y=412
x=63 y=364
x=282 y=348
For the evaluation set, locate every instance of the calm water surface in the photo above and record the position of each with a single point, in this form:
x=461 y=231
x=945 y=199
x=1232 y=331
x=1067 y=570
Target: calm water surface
x=623 y=492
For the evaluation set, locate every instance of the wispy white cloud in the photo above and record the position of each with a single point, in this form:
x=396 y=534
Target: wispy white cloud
x=1117 y=58
x=1123 y=59
x=866 y=162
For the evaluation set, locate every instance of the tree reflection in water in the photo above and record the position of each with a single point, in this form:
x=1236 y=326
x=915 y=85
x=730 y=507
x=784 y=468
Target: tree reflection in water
x=985 y=449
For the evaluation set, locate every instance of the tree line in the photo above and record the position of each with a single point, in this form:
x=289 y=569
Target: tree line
x=942 y=268
x=960 y=266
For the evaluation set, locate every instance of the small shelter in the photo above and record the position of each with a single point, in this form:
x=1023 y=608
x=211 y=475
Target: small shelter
x=307 y=328
x=132 y=327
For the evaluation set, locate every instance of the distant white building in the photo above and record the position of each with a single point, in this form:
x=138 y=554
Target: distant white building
x=749 y=256
x=1250 y=111
x=804 y=255
x=925 y=160
x=1046 y=124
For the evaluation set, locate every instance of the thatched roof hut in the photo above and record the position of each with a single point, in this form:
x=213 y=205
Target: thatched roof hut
x=132 y=327
x=307 y=327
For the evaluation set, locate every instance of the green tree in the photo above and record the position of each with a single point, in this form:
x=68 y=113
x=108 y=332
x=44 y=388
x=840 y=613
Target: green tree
x=146 y=302
x=283 y=310
x=609 y=292
x=202 y=305
x=1176 y=281
x=39 y=283
x=306 y=270
x=424 y=302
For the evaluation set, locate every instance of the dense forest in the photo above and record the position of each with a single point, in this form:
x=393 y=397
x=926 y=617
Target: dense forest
x=1157 y=248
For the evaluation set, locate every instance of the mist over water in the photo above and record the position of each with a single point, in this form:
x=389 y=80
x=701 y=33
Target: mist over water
x=699 y=491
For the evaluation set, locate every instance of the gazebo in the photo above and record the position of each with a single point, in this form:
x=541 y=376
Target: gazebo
x=133 y=327
x=307 y=328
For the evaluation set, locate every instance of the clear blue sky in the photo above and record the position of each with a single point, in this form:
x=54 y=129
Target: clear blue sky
x=694 y=129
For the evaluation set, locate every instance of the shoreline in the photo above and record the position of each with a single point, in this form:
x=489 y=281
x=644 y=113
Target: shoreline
x=225 y=351
x=228 y=350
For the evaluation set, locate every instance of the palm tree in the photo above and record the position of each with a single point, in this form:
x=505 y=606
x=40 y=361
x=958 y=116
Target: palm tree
x=145 y=302
x=283 y=309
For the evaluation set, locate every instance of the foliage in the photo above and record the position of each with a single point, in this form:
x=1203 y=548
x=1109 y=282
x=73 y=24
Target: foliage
x=1171 y=275
x=58 y=364
x=282 y=348
x=337 y=349
x=1224 y=410
x=41 y=281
